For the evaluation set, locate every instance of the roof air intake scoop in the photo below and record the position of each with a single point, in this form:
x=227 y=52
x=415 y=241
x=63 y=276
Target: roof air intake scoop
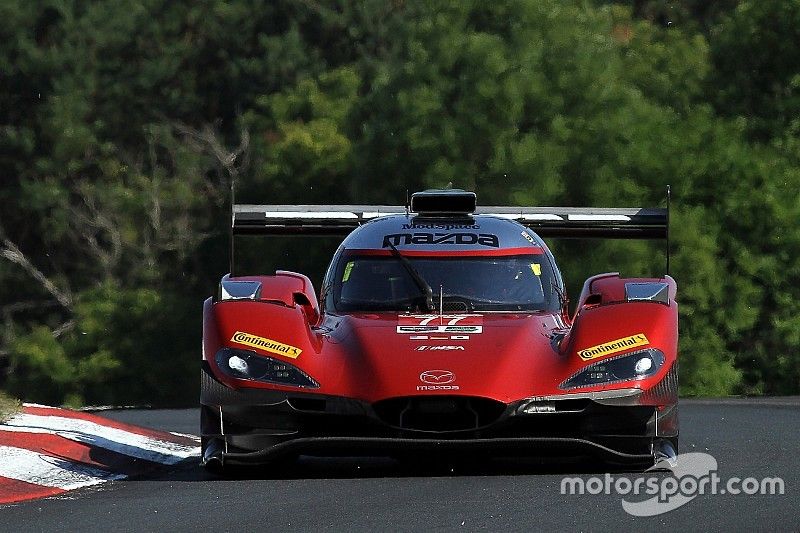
x=443 y=202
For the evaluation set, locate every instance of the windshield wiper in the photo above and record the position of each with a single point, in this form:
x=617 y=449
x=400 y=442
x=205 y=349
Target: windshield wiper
x=420 y=282
x=562 y=297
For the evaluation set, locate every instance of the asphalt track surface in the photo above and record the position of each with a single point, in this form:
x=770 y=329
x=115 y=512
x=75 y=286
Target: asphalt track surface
x=748 y=438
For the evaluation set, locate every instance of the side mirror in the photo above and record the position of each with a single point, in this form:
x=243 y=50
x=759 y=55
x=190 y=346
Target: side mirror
x=310 y=308
x=305 y=297
x=593 y=295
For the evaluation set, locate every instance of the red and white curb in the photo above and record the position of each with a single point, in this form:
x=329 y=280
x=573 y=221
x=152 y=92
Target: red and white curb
x=46 y=451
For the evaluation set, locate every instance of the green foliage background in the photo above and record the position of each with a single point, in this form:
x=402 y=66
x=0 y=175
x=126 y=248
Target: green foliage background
x=123 y=121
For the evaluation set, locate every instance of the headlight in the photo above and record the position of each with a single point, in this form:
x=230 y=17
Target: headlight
x=243 y=364
x=628 y=367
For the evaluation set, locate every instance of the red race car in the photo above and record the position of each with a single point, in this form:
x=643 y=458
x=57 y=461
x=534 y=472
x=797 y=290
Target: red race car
x=441 y=328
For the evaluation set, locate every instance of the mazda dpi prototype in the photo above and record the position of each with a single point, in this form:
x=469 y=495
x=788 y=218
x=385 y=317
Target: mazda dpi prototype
x=441 y=328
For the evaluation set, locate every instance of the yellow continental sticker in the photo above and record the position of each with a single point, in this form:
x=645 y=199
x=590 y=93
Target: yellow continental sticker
x=537 y=269
x=347 y=268
x=613 y=347
x=268 y=345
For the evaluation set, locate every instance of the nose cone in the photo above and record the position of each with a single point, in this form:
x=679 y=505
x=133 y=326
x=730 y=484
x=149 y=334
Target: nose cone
x=504 y=357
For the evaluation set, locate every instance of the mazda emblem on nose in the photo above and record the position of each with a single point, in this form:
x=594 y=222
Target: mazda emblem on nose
x=437 y=377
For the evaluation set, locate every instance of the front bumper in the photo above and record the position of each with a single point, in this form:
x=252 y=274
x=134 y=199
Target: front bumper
x=257 y=426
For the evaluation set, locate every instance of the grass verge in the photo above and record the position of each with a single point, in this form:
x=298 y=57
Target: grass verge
x=8 y=406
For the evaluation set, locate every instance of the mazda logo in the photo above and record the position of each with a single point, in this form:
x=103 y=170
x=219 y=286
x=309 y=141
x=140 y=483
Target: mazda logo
x=437 y=377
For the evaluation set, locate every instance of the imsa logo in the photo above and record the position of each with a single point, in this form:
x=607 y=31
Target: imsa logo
x=482 y=239
x=437 y=347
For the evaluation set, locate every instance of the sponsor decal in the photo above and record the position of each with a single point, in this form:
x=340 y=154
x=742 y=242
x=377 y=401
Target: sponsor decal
x=483 y=239
x=437 y=380
x=446 y=227
x=436 y=347
x=439 y=337
x=615 y=346
x=267 y=345
x=527 y=237
x=439 y=329
x=537 y=269
x=347 y=269
x=437 y=377
x=462 y=325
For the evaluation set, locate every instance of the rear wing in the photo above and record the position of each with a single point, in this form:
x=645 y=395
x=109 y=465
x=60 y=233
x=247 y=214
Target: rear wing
x=559 y=222
x=570 y=222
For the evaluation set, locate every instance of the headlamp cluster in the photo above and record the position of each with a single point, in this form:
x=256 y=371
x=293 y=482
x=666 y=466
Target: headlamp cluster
x=244 y=364
x=628 y=367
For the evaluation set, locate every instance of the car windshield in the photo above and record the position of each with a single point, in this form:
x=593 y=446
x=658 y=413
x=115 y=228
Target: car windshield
x=484 y=283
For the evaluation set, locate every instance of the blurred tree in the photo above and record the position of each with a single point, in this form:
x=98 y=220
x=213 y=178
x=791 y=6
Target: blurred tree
x=757 y=66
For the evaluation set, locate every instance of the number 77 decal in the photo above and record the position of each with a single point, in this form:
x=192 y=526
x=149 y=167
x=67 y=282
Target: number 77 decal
x=440 y=324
